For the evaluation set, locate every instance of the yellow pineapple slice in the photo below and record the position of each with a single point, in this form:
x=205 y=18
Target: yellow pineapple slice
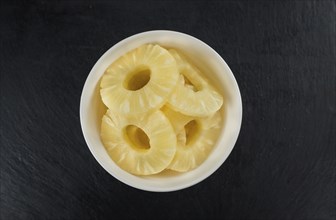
x=193 y=95
x=142 y=147
x=140 y=81
x=200 y=137
x=177 y=119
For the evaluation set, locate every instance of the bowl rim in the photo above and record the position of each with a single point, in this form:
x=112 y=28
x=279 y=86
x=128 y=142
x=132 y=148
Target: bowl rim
x=201 y=177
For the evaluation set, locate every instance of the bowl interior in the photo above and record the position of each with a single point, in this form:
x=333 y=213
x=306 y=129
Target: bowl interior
x=211 y=64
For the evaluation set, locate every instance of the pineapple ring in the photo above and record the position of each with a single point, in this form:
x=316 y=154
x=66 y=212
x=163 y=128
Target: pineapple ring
x=140 y=81
x=193 y=95
x=199 y=138
x=130 y=152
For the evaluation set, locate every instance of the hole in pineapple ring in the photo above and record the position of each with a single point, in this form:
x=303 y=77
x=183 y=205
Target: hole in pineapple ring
x=192 y=130
x=136 y=137
x=190 y=84
x=137 y=78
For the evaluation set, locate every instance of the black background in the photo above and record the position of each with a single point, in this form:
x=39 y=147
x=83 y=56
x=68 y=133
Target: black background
x=282 y=54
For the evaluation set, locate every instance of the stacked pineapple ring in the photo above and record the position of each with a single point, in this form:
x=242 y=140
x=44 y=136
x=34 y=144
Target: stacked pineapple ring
x=162 y=113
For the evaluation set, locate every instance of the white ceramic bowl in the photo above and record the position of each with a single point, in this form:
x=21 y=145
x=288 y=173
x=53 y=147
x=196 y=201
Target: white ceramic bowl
x=92 y=110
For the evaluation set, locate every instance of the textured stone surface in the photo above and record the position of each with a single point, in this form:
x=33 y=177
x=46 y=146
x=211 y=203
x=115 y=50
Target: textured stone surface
x=282 y=54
